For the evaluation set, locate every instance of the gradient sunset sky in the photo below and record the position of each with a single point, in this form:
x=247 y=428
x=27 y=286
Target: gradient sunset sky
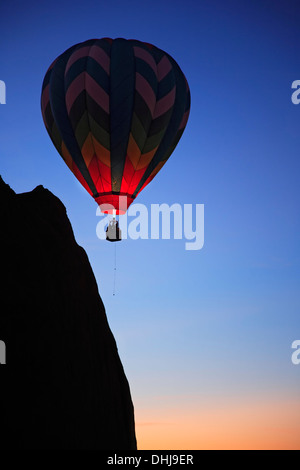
x=204 y=336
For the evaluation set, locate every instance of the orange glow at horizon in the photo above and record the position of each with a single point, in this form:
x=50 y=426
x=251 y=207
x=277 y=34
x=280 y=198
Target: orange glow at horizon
x=250 y=424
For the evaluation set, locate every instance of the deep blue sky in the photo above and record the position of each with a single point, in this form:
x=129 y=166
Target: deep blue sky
x=219 y=321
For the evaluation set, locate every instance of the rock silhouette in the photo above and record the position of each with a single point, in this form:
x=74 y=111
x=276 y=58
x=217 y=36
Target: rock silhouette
x=63 y=386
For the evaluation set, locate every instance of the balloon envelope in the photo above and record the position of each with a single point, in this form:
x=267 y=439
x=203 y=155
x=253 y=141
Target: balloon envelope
x=115 y=111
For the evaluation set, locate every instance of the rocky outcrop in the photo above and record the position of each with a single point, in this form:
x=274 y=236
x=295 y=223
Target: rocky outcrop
x=63 y=386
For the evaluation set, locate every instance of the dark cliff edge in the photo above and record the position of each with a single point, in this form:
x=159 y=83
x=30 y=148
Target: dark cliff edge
x=63 y=385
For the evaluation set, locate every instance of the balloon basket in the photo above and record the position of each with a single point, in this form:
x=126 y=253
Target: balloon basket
x=113 y=232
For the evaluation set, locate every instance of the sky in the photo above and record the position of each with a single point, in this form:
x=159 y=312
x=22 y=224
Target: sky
x=204 y=336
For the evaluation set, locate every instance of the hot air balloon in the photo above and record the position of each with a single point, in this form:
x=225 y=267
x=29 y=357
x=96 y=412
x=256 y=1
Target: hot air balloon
x=115 y=111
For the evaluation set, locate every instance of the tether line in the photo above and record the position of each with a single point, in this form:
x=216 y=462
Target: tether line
x=115 y=270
